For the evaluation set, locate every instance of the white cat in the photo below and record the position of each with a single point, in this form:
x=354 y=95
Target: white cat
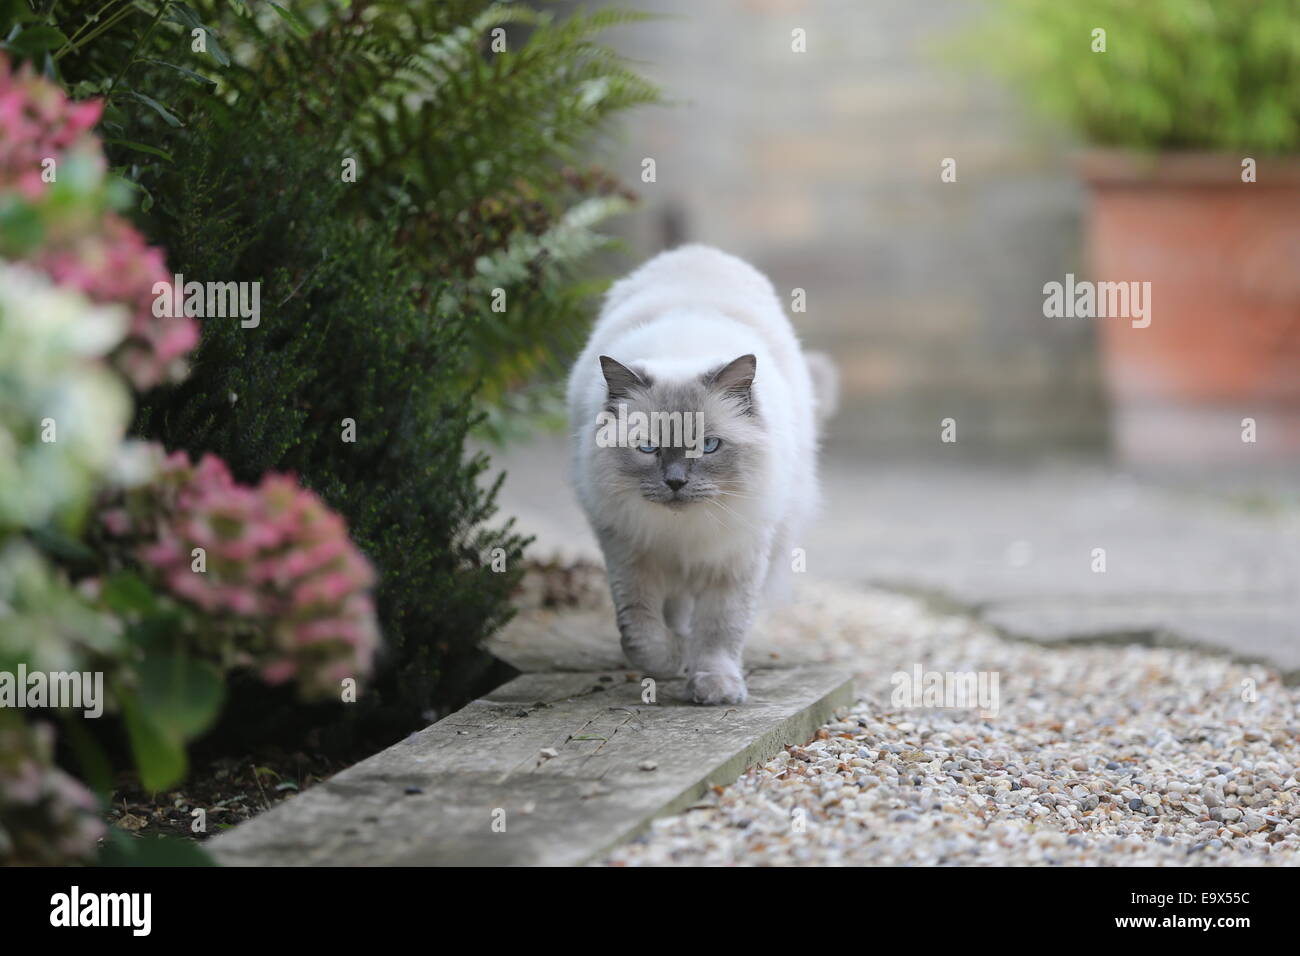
x=696 y=525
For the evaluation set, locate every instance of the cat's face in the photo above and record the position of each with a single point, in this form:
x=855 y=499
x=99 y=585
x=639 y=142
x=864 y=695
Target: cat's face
x=676 y=443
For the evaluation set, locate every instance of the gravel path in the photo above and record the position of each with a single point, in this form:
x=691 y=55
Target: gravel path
x=1097 y=754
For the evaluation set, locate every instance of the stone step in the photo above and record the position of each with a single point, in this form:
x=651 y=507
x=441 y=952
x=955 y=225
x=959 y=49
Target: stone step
x=481 y=786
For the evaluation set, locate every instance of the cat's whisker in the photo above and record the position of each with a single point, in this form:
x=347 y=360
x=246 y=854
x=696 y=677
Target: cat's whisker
x=716 y=519
x=749 y=525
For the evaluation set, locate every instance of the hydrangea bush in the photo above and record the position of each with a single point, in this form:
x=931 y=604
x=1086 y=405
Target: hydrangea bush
x=39 y=124
x=55 y=212
x=47 y=818
x=98 y=536
x=115 y=265
x=62 y=412
x=275 y=568
x=466 y=177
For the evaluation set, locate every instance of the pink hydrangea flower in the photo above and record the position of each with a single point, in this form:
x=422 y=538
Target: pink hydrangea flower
x=38 y=123
x=273 y=557
x=117 y=266
x=110 y=263
x=46 y=817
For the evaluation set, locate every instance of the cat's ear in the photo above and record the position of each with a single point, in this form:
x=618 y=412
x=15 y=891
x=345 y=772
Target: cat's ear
x=620 y=379
x=735 y=377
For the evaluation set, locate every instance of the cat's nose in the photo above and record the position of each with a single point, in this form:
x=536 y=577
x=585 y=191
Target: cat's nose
x=675 y=483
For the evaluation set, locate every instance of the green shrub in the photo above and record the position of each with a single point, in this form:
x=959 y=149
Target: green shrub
x=132 y=582
x=342 y=338
x=380 y=339
x=377 y=294
x=1175 y=74
x=475 y=154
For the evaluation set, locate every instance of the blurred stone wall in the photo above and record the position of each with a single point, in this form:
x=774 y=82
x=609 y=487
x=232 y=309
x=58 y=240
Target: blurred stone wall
x=823 y=168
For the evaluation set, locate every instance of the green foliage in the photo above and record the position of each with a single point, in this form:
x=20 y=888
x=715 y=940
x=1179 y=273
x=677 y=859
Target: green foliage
x=176 y=697
x=1176 y=74
x=56 y=347
x=342 y=336
x=122 y=849
x=381 y=295
x=474 y=153
x=443 y=273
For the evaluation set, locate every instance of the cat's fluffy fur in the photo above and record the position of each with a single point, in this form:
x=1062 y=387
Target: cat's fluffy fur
x=696 y=329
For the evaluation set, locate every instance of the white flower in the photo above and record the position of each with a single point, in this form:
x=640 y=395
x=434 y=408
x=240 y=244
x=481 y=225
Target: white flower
x=135 y=464
x=62 y=412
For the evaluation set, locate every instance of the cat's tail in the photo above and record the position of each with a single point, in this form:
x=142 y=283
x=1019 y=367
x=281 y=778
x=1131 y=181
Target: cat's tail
x=826 y=385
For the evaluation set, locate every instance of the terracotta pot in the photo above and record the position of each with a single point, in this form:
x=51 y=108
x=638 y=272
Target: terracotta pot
x=1223 y=344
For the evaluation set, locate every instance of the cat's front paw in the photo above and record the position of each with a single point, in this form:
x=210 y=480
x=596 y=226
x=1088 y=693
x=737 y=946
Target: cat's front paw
x=660 y=661
x=717 y=687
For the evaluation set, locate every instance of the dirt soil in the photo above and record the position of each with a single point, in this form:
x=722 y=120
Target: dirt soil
x=229 y=790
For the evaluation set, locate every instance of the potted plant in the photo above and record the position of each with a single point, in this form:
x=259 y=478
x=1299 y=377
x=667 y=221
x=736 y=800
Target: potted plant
x=1191 y=112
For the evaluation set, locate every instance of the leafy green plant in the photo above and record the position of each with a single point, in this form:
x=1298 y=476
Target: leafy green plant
x=344 y=351
x=397 y=303
x=131 y=582
x=468 y=122
x=434 y=278
x=1174 y=75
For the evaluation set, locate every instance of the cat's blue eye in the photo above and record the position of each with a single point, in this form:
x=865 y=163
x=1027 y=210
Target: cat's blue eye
x=647 y=449
x=711 y=445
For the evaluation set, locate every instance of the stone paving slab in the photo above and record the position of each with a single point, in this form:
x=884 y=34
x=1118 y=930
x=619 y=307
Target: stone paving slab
x=433 y=798
x=1270 y=634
